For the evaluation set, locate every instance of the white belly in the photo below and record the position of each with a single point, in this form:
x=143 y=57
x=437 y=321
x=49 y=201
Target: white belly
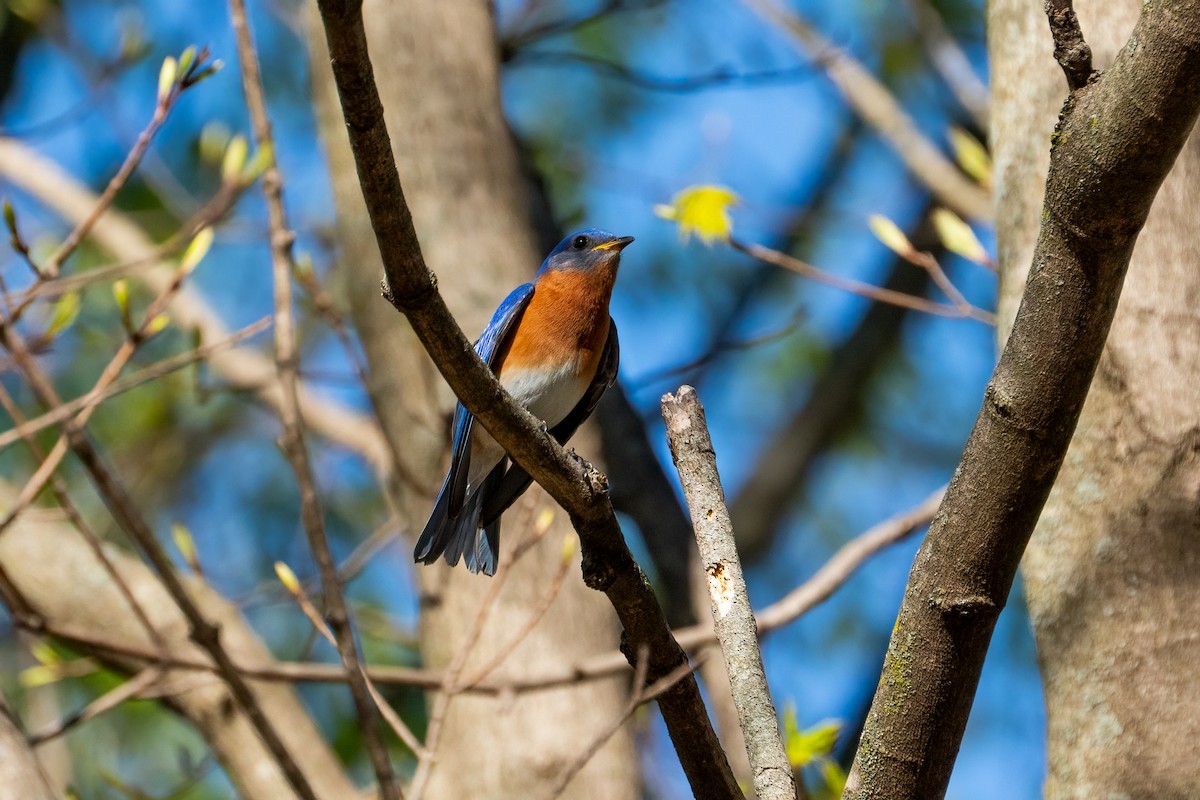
x=549 y=396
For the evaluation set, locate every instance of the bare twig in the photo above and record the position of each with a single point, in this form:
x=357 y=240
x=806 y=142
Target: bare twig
x=98 y=395
x=877 y=293
x=950 y=61
x=1070 y=50
x=241 y=367
x=59 y=487
x=662 y=83
x=386 y=711
x=879 y=108
x=692 y=451
x=105 y=702
x=162 y=107
x=451 y=685
x=292 y=438
x=640 y=696
x=115 y=496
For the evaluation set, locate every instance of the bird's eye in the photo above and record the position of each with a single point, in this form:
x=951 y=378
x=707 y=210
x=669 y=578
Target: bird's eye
x=580 y=242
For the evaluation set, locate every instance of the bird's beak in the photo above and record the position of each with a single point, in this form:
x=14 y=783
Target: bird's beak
x=618 y=244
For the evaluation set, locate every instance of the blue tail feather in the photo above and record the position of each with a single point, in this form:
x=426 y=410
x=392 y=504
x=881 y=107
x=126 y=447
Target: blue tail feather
x=459 y=536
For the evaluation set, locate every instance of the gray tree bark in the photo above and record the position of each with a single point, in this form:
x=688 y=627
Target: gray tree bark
x=438 y=71
x=1112 y=574
x=21 y=776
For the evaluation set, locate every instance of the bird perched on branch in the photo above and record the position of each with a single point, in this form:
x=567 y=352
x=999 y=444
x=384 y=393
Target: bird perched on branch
x=553 y=346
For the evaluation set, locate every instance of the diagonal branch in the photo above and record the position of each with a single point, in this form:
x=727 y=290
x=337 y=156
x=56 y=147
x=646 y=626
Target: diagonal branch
x=607 y=563
x=879 y=108
x=1117 y=138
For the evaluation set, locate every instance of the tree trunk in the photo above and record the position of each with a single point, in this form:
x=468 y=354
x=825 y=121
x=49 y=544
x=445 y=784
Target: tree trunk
x=437 y=67
x=1112 y=574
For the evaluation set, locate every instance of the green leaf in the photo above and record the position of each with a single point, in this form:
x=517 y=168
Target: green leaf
x=804 y=747
x=65 y=312
x=235 y=159
x=890 y=234
x=263 y=160
x=186 y=60
x=971 y=155
x=186 y=545
x=957 y=236
x=166 y=77
x=703 y=211
x=196 y=250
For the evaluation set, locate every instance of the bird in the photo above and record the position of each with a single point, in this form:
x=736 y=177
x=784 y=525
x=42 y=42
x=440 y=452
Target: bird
x=553 y=346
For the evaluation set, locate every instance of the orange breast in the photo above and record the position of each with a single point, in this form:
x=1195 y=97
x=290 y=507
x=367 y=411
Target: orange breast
x=567 y=318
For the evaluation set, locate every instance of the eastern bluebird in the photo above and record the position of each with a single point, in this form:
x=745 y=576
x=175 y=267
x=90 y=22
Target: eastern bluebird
x=553 y=346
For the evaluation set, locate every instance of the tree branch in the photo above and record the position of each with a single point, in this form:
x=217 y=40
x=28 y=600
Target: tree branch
x=607 y=563
x=692 y=451
x=242 y=367
x=1070 y=50
x=61 y=590
x=1116 y=140
x=879 y=108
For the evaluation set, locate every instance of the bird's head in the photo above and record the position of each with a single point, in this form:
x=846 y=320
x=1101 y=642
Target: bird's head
x=586 y=249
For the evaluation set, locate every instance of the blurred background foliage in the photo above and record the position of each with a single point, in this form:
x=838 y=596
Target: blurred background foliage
x=617 y=106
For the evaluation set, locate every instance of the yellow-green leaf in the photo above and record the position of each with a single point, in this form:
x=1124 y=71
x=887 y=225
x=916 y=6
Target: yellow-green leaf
x=544 y=519
x=971 y=155
x=65 y=312
x=703 y=211
x=287 y=577
x=263 y=160
x=166 y=77
x=10 y=219
x=834 y=778
x=41 y=675
x=44 y=653
x=214 y=139
x=568 y=547
x=186 y=544
x=890 y=234
x=157 y=325
x=235 y=159
x=186 y=59
x=197 y=249
x=957 y=236
x=806 y=746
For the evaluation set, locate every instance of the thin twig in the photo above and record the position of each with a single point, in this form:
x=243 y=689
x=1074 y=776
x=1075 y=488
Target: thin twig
x=733 y=621
x=451 y=685
x=243 y=367
x=880 y=109
x=1071 y=51
x=292 y=437
x=63 y=496
x=96 y=395
x=877 y=293
x=642 y=694
x=950 y=61
x=162 y=108
x=105 y=702
x=386 y=711
x=127 y=515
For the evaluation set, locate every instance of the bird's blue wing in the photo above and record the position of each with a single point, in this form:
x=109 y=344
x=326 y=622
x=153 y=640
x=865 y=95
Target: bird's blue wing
x=517 y=480
x=488 y=345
